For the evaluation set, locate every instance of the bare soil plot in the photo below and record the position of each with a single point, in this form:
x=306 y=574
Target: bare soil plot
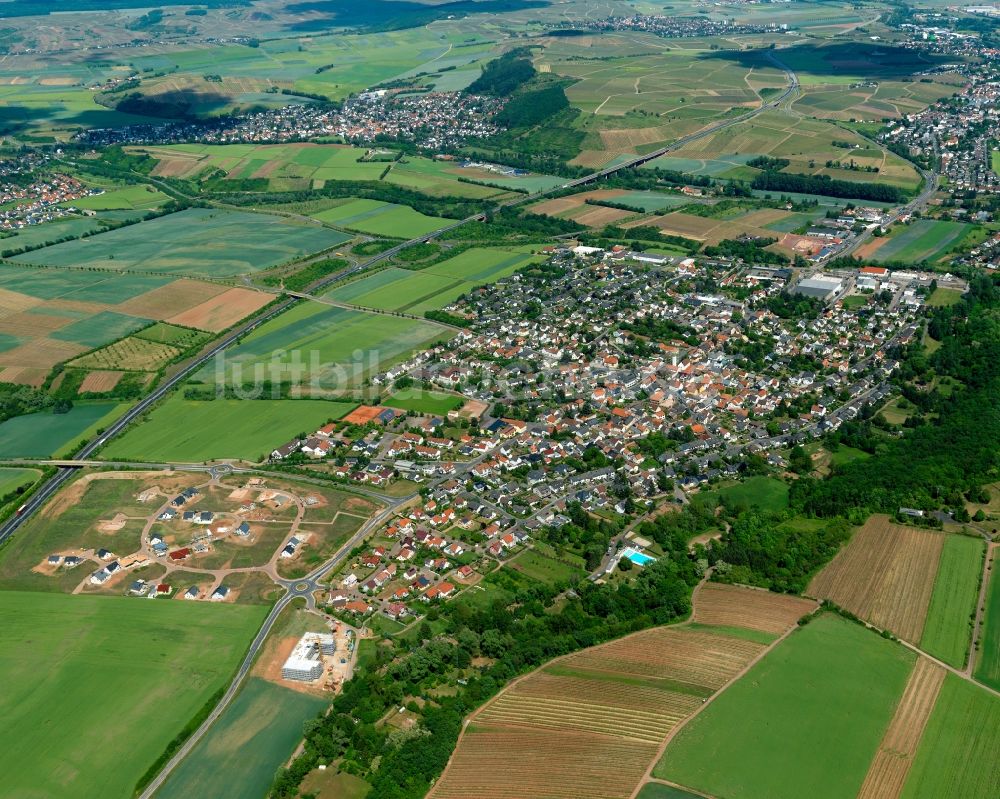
x=13 y=302
x=684 y=656
x=23 y=375
x=737 y=606
x=40 y=353
x=33 y=325
x=517 y=763
x=223 y=310
x=599 y=216
x=885 y=575
x=100 y=382
x=171 y=299
x=588 y=724
x=891 y=764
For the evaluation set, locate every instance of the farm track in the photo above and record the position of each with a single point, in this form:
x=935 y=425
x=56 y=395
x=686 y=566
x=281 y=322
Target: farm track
x=47 y=490
x=891 y=764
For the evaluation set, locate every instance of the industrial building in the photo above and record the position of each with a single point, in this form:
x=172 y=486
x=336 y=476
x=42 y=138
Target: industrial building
x=818 y=286
x=306 y=661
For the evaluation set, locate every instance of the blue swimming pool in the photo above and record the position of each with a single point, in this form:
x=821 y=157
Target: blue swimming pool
x=637 y=557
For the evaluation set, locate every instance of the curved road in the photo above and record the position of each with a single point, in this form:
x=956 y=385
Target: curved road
x=306 y=586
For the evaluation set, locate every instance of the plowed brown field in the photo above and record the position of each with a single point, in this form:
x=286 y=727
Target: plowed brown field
x=736 y=606
x=887 y=773
x=588 y=725
x=222 y=311
x=885 y=575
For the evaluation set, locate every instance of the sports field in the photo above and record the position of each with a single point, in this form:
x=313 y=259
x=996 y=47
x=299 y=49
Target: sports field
x=337 y=347
x=244 y=749
x=957 y=755
x=804 y=721
x=190 y=430
x=920 y=240
x=47 y=434
x=121 y=679
x=421 y=400
x=956 y=587
x=988 y=658
x=434 y=286
x=381 y=219
x=197 y=242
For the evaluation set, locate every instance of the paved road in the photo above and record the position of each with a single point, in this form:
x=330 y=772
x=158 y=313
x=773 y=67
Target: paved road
x=303 y=587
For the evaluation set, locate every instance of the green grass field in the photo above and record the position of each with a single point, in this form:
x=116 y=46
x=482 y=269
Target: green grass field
x=127 y=198
x=943 y=297
x=100 y=329
x=654 y=790
x=804 y=721
x=381 y=219
x=12 y=479
x=421 y=400
x=243 y=750
x=198 y=242
x=336 y=346
x=988 y=657
x=95 y=687
x=46 y=434
x=544 y=569
x=921 y=240
x=947 y=629
x=434 y=286
x=957 y=755
x=767 y=493
x=191 y=430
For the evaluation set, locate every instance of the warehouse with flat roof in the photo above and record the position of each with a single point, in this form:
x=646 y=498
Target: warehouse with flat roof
x=818 y=286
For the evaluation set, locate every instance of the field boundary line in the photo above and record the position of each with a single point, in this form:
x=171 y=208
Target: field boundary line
x=980 y=606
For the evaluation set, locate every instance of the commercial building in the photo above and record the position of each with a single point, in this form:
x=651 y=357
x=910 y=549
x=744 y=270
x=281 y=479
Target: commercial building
x=818 y=286
x=306 y=661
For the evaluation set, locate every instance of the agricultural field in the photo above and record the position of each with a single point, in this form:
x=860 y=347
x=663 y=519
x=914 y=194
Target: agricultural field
x=324 y=347
x=612 y=703
x=987 y=665
x=721 y=605
x=164 y=660
x=420 y=400
x=284 y=166
x=197 y=242
x=807 y=719
x=11 y=479
x=922 y=240
x=105 y=321
x=434 y=286
x=46 y=434
x=243 y=750
x=892 y=762
x=806 y=143
x=886 y=575
x=126 y=198
x=957 y=753
x=947 y=629
x=381 y=219
x=193 y=430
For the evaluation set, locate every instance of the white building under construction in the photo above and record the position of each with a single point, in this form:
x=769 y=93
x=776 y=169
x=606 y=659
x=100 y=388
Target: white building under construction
x=306 y=661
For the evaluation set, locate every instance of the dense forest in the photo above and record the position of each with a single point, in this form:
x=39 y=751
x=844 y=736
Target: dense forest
x=502 y=76
x=952 y=452
x=825 y=185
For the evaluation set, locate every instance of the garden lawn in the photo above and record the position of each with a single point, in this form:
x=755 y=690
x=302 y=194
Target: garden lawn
x=804 y=721
x=943 y=297
x=956 y=587
x=96 y=687
x=197 y=242
x=957 y=755
x=244 y=749
x=47 y=434
x=183 y=430
x=423 y=401
x=988 y=658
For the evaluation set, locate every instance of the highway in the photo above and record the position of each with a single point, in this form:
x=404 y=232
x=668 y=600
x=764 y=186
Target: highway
x=307 y=585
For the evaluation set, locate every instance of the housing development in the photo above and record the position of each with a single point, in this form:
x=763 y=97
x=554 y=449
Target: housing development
x=499 y=400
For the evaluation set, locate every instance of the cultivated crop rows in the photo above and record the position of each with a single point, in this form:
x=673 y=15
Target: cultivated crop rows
x=885 y=575
x=735 y=606
x=887 y=773
x=587 y=726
